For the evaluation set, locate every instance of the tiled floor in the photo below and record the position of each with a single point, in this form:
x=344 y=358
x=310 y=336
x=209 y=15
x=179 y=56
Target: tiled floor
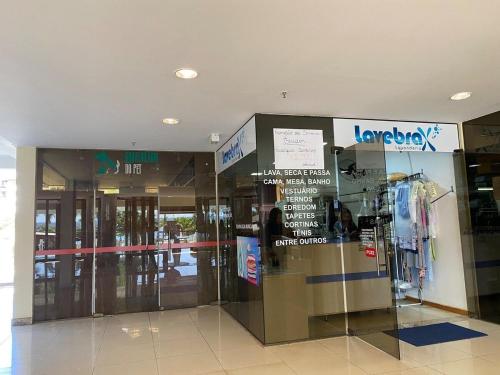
x=208 y=341
x=411 y=315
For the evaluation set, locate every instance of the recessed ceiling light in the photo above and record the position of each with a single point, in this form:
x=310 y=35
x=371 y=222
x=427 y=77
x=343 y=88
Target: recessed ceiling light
x=170 y=121
x=186 y=73
x=461 y=95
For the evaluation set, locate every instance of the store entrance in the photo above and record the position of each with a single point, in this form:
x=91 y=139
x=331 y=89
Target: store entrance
x=186 y=249
x=126 y=253
x=364 y=229
x=123 y=232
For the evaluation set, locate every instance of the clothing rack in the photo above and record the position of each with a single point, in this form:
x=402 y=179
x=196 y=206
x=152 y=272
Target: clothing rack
x=444 y=195
x=413 y=177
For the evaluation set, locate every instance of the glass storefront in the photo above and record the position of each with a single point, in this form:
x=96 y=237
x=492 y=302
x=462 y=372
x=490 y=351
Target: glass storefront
x=313 y=242
x=238 y=192
x=296 y=206
x=482 y=204
x=308 y=272
x=325 y=227
x=144 y=221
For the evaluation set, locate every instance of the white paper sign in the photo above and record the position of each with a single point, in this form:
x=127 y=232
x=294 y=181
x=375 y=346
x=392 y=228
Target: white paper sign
x=397 y=135
x=298 y=149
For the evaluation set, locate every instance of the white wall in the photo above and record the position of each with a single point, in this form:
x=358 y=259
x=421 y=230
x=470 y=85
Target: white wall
x=24 y=238
x=448 y=286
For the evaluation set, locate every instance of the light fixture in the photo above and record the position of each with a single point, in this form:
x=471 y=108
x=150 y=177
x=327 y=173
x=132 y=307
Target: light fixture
x=256 y=174
x=325 y=143
x=186 y=73
x=109 y=191
x=461 y=95
x=170 y=121
x=474 y=165
x=485 y=188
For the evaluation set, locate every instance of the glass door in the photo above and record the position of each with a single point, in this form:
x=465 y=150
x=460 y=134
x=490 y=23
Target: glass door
x=364 y=228
x=125 y=214
x=126 y=266
x=187 y=245
x=178 y=249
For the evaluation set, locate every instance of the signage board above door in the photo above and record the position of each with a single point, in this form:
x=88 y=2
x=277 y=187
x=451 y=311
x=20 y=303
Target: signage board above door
x=397 y=135
x=131 y=163
x=237 y=147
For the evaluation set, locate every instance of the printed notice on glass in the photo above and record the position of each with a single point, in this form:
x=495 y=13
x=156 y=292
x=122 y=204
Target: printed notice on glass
x=298 y=149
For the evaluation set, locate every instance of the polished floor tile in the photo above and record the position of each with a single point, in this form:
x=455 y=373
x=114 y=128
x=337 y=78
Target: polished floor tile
x=189 y=364
x=119 y=354
x=272 y=369
x=169 y=348
x=136 y=368
x=480 y=325
x=208 y=340
x=416 y=371
x=229 y=339
x=431 y=354
x=467 y=367
x=246 y=357
x=477 y=346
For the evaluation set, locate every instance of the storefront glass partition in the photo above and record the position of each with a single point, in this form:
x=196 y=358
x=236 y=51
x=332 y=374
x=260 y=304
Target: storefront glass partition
x=280 y=207
x=302 y=264
x=481 y=204
x=125 y=217
x=365 y=227
x=187 y=236
x=317 y=237
x=63 y=234
x=112 y=212
x=240 y=256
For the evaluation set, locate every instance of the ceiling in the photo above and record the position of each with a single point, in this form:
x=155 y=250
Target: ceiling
x=99 y=73
x=7 y=155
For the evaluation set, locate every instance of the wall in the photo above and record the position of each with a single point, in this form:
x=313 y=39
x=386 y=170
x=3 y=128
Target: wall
x=24 y=241
x=448 y=286
x=7 y=211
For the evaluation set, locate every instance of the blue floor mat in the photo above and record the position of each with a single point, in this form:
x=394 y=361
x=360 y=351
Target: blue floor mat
x=435 y=334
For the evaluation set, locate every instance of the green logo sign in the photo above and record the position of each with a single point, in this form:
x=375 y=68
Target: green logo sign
x=106 y=164
x=132 y=160
x=140 y=157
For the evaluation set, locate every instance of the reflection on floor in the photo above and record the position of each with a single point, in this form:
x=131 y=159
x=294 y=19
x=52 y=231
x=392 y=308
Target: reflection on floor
x=416 y=315
x=208 y=341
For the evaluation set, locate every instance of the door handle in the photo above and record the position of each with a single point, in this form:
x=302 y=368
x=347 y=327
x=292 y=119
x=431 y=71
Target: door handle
x=375 y=235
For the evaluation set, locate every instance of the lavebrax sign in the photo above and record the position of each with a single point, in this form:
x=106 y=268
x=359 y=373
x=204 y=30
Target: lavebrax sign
x=397 y=136
x=240 y=145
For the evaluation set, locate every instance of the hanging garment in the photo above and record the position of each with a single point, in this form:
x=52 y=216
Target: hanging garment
x=426 y=249
x=403 y=226
x=415 y=229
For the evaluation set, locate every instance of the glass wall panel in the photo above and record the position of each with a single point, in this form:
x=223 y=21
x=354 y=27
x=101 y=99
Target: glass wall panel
x=302 y=265
x=365 y=219
x=188 y=235
x=63 y=235
x=118 y=194
x=239 y=226
x=482 y=167
x=292 y=268
x=126 y=212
